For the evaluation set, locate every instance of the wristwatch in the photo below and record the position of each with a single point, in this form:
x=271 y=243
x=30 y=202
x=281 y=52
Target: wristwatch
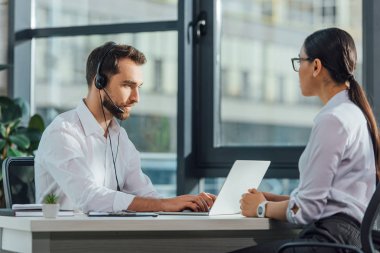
x=261 y=209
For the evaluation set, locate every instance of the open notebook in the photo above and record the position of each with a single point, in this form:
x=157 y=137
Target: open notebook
x=243 y=175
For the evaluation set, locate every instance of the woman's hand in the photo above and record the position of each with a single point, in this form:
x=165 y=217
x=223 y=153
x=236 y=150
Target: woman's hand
x=250 y=201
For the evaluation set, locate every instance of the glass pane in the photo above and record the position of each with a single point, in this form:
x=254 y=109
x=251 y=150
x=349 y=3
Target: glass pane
x=59 y=85
x=261 y=103
x=277 y=186
x=89 y=12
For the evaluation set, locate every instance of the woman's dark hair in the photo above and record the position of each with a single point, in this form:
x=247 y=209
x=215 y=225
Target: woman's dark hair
x=112 y=53
x=336 y=50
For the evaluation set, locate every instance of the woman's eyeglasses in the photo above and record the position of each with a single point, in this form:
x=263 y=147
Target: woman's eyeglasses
x=296 y=62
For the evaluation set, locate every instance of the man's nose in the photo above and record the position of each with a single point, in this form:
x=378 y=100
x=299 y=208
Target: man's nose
x=135 y=96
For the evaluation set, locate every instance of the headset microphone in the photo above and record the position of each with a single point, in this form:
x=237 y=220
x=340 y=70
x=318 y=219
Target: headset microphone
x=101 y=79
x=117 y=108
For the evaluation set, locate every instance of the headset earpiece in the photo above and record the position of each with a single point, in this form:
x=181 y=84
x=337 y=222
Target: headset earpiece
x=101 y=79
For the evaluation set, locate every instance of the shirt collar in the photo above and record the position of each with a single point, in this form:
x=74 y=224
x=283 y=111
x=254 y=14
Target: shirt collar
x=337 y=99
x=89 y=123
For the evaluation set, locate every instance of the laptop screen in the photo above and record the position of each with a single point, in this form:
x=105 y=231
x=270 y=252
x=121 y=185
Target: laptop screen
x=21 y=181
x=243 y=175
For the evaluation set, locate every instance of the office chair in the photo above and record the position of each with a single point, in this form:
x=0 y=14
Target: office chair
x=18 y=180
x=369 y=238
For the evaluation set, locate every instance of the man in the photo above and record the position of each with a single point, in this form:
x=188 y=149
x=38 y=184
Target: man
x=87 y=159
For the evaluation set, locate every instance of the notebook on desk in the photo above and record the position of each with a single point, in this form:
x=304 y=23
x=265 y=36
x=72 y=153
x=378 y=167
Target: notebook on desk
x=243 y=175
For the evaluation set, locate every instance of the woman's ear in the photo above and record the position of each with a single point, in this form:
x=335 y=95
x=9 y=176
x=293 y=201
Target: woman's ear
x=317 y=67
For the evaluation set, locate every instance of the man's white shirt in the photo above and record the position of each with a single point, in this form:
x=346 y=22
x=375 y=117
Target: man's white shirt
x=74 y=161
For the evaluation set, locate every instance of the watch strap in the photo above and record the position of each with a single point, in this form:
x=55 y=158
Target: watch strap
x=261 y=208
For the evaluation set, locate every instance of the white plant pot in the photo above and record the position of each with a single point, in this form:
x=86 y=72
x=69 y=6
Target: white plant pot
x=50 y=210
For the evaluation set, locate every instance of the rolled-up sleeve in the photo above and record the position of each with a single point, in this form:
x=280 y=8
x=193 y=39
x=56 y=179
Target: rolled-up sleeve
x=318 y=165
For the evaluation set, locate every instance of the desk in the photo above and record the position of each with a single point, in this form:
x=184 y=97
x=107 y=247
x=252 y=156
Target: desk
x=144 y=234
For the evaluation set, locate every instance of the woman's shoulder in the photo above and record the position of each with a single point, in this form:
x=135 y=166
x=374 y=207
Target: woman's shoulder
x=346 y=114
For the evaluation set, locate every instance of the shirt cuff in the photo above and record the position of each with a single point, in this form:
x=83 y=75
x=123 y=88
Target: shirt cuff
x=122 y=201
x=289 y=212
x=290 y=215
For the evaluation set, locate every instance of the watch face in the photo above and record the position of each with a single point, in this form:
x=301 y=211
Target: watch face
x=260 y=210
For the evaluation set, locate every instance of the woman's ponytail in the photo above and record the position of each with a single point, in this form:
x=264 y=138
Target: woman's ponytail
x=358 y=97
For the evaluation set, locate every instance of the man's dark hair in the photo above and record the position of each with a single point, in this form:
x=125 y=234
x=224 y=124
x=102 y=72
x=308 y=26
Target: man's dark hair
x=111 y=53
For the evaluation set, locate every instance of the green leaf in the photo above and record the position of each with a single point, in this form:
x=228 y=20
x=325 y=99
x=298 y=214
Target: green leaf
x=37 y=122
x=22 y=105
x=34 y=136
x=13 y=125
x=3 y=130
x=9 y=110
x=2 y=144
x=5 y=101
x=20 y=140
x=51 y=198
x=14 y=152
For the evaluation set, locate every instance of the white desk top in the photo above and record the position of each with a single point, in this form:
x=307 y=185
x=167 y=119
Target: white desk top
x=81 y=222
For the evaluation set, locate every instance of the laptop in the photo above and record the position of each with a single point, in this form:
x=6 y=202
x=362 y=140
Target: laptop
x=243 y=175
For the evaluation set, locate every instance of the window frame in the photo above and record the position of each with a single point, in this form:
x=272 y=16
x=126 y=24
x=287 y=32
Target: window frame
x=197 y=155
x=21 y=42
x=213 y=159
x=210 y=159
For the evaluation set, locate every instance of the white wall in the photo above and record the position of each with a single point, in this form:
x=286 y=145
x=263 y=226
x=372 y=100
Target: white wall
x=3 y=43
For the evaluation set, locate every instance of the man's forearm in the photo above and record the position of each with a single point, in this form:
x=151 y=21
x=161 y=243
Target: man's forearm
x=140 y=204
x=200 y=202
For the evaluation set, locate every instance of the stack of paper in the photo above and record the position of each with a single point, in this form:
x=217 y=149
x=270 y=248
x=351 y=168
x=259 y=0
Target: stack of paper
x=35 y=210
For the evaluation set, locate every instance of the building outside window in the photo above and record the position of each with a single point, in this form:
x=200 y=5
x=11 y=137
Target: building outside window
x=152 y=126
x=260 y=102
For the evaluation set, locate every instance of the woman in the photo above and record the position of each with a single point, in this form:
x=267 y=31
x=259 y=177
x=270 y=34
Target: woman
x=339 y=165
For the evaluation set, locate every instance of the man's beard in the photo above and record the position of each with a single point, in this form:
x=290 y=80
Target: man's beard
x=107 y=103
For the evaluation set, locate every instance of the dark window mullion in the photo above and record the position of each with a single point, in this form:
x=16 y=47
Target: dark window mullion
x=371 y=53
x=159 y=26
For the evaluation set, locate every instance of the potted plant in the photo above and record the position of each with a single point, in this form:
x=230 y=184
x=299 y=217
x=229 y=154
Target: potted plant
x=50 y=206
x=16 y=139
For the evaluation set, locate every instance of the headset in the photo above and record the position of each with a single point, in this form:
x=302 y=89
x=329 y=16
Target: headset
x=101 y=81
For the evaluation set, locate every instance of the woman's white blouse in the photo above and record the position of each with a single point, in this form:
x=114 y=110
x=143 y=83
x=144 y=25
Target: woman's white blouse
x=337 y=167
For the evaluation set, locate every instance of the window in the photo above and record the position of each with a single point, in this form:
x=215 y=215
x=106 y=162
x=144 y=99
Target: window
x=235 y=95
x=58 y=56
x=225 y=81
x=245 y=90
x=274 y=123
x=328 y=11
x=157 y=80
x=253 y=45
x=61 y=13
